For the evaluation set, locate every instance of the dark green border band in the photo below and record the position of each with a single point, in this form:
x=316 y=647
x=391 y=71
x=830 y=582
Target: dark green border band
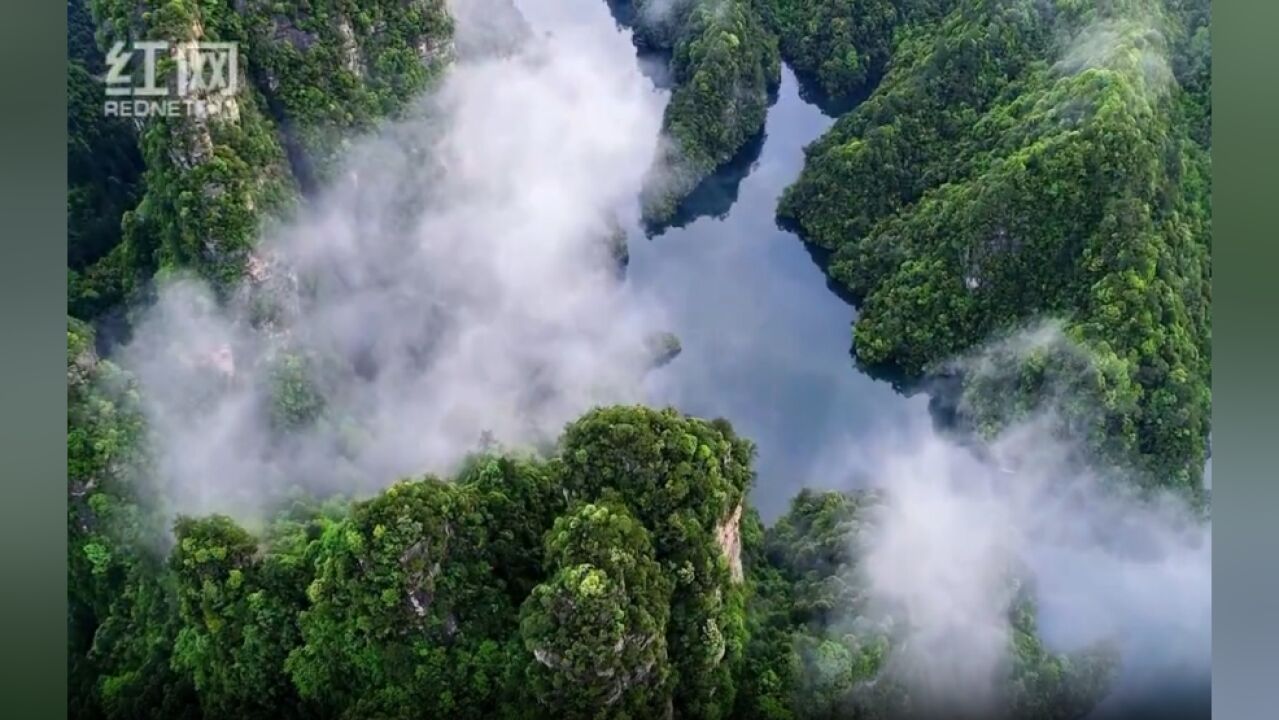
x=1245 y=307
x=32 y=359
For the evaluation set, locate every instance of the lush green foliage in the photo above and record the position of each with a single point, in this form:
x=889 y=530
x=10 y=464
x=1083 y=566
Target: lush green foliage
x=799 y=664
x=623 y=577
x=405 y=616
x=1055 y=687
x=995 y=175
x=684 y=480
x=725 y=65
x=209 y=180
x=330 y=67
x=984 y=185
x=658 y=24
x=104 y=167
x=311 y=75
x=238 y=614
x=296 y=401
x=595 y=583
x=122 y=607
x=844 y=45
x=597 y=627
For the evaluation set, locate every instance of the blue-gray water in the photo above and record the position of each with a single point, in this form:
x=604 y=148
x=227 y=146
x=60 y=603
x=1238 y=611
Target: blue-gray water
x=766 y=343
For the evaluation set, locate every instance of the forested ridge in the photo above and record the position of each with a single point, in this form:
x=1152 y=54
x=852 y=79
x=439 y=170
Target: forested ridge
x=320 y=72
x=1016 y=163
x=1023 y=160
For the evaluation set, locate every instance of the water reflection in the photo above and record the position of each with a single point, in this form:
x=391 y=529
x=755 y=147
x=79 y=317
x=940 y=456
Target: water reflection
x=766 y=343
x=714 y=197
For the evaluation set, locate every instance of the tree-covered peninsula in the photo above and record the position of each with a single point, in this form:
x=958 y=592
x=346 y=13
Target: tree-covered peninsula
x=725 y=65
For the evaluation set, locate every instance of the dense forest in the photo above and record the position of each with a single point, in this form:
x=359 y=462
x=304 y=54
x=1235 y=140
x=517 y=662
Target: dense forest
x=192 y=193
x=1014 y=164
x=1024 y=160
x=623 y=576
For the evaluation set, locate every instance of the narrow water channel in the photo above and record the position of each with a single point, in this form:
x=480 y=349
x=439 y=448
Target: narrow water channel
x=766 y=343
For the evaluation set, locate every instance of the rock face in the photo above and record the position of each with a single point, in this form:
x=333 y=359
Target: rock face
x=728 y=535
x=212 y=169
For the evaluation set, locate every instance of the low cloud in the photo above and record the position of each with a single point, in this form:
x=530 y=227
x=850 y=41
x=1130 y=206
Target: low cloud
x=963 y=526
x=453 y=287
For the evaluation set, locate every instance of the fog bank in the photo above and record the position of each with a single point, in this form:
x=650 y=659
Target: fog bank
x=452 y=288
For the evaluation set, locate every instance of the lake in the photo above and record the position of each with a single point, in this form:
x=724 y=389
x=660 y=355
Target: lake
x=766 y=341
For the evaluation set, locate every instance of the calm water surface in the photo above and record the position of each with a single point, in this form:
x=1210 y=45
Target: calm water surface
x=766 y=342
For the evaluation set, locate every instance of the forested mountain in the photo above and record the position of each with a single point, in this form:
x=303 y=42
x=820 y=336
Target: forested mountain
x=1024 y=160
x=1016 y=164
x=320 y=71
